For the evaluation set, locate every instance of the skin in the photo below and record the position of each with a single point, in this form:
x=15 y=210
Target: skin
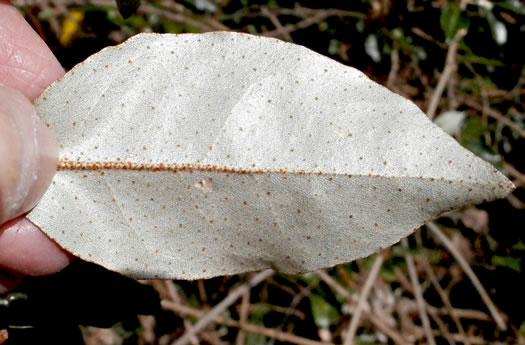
x=28 y=151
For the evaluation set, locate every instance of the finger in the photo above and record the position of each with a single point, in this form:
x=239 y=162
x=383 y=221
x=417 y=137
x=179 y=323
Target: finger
x=26 y=63
x=24 y=249
x=28 y=155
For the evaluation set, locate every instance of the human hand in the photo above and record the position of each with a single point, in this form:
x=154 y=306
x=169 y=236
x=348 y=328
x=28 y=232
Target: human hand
x=28 y=151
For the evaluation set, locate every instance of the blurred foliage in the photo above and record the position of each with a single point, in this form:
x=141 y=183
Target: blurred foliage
x=402 y=45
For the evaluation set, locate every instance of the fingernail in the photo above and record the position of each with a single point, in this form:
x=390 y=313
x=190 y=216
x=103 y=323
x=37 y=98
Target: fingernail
x=28 y=155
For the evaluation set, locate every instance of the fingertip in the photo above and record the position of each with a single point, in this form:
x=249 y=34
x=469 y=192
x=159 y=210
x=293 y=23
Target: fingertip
x=28 y=155
x=26 y=250
x=26 y=62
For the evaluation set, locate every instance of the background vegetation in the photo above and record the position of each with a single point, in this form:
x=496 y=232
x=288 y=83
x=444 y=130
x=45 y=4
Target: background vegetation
x=462 y=62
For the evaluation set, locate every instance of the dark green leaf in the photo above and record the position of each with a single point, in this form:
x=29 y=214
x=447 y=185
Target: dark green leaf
x=127 y=8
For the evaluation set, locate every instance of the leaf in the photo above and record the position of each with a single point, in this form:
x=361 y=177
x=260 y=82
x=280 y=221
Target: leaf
x=453 y=19
x=127 y=8
x=323 y=312
x=197 y=155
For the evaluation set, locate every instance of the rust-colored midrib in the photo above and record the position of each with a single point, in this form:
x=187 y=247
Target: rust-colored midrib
x=64 y=164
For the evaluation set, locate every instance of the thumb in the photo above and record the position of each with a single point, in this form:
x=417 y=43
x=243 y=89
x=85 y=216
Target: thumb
x=28 y=155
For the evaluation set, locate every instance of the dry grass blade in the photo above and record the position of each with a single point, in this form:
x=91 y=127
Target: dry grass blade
x=223 y=305
x=349 y=339
x=472 y=276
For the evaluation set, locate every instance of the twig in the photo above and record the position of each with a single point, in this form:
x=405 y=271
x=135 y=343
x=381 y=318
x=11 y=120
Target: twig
x=370 y=314
x=300 y=25
x=298 y=11
x=443 y=328
x=382 y=327
x=349 y=338
x=459 y=313
x=450 y=68
x=515 y=173
x=202 y=292
x=223 y=305
x=331 y=12
x=403 y=280
x=444 y=296
x=312 y=17
x=275 y=21
x=463 y=313
x=394 y=70
x=495 y=115
x=472 y=276
x=278 y=309
x=419 y=298
x=267 y=332
x=428 y=37
x=334 y=285
x=245 y=309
